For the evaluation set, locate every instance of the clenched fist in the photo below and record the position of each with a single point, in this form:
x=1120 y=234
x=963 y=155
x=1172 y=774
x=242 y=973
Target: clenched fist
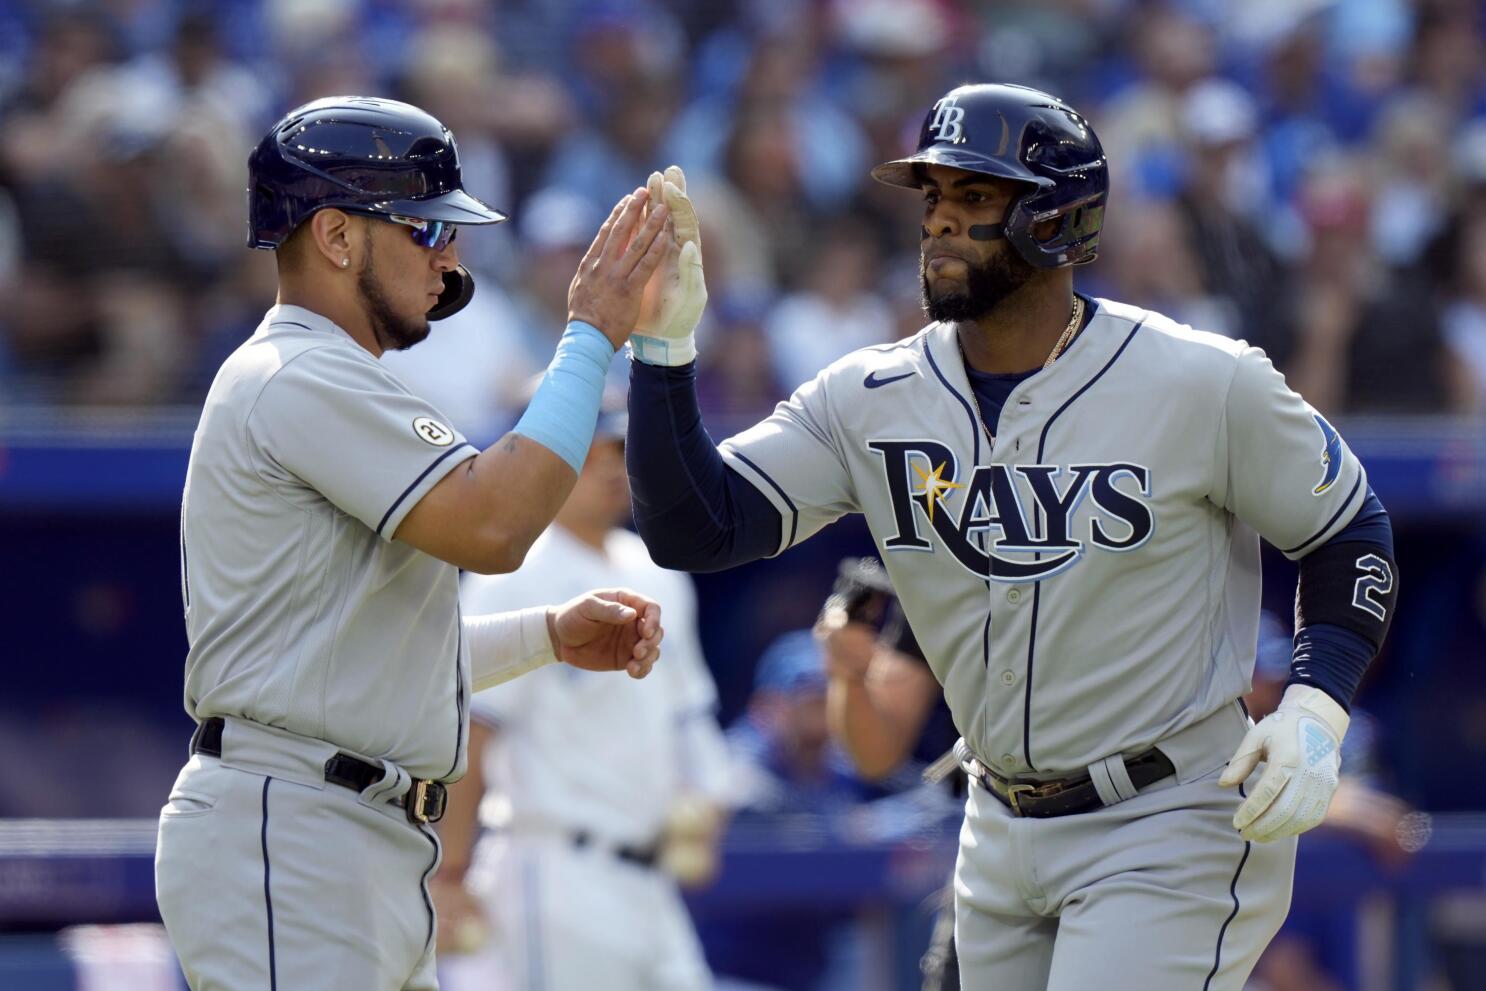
x=607 y=630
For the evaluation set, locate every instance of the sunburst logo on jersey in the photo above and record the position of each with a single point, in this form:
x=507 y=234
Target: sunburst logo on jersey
x=935 y=487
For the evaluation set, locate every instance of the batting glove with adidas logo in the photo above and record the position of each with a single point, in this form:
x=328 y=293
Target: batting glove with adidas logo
x=1300 y=745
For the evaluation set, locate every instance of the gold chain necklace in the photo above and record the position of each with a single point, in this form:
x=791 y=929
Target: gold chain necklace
x=1073 y=321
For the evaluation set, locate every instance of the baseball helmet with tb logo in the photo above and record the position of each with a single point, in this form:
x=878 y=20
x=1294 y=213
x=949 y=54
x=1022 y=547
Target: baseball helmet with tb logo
x=1022 y=134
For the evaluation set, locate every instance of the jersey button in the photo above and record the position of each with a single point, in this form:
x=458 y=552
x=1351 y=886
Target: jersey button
x=1014 y=596
x=1008 y=677
x=1008 y=762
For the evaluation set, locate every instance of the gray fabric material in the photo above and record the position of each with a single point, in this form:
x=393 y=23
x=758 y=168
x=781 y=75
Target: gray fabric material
x=345 y=881
x=1099 y=774
x=1140 y=630
x=301 y=611
x=1138 y=896
x=1119 y=778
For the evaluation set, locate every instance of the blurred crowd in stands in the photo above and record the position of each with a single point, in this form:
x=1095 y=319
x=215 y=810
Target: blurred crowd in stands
x=1307 y=174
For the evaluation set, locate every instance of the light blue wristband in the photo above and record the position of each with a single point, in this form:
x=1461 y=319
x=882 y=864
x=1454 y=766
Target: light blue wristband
x=564 y=411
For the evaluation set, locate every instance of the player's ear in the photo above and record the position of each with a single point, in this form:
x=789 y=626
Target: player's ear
x=330 y=230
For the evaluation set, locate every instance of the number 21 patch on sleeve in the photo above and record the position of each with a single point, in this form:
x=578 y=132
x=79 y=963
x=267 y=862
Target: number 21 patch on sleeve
x=433 y=431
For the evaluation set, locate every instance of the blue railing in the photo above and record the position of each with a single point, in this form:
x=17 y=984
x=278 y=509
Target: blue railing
x=57 y=459
x=59 y=872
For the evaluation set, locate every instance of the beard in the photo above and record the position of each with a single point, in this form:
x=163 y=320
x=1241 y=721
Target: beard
x=986 y=285
x=393 y=332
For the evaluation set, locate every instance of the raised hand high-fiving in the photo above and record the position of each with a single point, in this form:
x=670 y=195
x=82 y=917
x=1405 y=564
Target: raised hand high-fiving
x=611 y=279
x=676 y=297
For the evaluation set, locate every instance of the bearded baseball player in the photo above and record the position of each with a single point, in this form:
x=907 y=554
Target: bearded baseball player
x=326 y=514
x=1068 y=494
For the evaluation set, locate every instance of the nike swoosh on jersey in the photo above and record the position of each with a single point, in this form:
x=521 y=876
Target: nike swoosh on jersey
x=873 y=382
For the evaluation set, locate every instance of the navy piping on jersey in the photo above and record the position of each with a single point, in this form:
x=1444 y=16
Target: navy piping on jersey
x=1233 y=893
x=292 y=323
x=985 y=656
x=398 y=501
x=1334 y=516
x=1042 y=440
x=985 y=640
x=1037 y=523
x=975 y=425
x=458 y=688
x=1027 y=689
x=423 y=886
x=273 y=970
x=794 y=513
x=185 y=565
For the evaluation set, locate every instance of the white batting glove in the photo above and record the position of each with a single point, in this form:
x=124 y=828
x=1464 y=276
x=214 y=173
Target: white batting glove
x=1300 y=743
x=665 y=334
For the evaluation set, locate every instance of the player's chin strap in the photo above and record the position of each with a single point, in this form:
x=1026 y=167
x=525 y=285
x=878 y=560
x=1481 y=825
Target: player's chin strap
x=459 y=287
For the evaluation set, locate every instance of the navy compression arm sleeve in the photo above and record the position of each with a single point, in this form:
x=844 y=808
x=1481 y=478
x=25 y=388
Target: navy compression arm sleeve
x=1344 y=602
x=693 y=511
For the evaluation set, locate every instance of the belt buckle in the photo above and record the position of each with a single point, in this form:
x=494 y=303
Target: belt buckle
x=425 y=802
x=1014 y=794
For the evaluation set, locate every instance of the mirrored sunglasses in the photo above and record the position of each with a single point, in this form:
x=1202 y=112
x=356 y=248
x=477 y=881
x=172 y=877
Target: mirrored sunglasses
x=435 y=234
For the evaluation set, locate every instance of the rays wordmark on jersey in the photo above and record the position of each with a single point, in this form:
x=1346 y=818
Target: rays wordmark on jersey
x=1015 y=522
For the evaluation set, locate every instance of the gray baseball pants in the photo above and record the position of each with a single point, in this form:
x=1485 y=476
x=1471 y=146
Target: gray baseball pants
x=270 y=879
x=1154 y=893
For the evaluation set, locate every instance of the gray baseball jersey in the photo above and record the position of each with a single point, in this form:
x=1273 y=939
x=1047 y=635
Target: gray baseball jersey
x=300 y=610
x=1087 y=582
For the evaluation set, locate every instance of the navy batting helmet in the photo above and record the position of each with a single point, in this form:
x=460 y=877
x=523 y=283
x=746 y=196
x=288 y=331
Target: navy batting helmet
x=362 y=155
x=1022 y=134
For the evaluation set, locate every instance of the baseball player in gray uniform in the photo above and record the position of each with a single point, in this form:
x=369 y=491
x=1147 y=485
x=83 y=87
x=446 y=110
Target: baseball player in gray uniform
x=326 y=514
x=1068 y=494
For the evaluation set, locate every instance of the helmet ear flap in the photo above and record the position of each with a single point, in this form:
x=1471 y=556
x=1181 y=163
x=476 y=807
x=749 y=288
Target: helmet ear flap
x=459 y=288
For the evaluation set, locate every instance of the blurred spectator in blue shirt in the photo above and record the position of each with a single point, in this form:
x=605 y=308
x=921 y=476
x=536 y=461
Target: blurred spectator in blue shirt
x=1229 y=216
x=626 y=68
x=837 y=308
x=780 y=73
x=787 y=760
x=793 y=778
x=1140 y=126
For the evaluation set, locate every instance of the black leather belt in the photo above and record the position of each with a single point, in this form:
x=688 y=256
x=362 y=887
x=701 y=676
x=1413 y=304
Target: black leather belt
x=1066 y=796
x=640 y=856
x=424 y=801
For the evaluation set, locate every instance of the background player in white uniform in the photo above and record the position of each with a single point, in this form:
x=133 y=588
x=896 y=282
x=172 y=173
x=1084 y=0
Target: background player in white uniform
x=1067 y=494
x=325 y=514
x=594 y=792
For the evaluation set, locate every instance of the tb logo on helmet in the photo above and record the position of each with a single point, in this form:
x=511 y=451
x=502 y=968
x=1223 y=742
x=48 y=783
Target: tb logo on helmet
x=948 y=121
